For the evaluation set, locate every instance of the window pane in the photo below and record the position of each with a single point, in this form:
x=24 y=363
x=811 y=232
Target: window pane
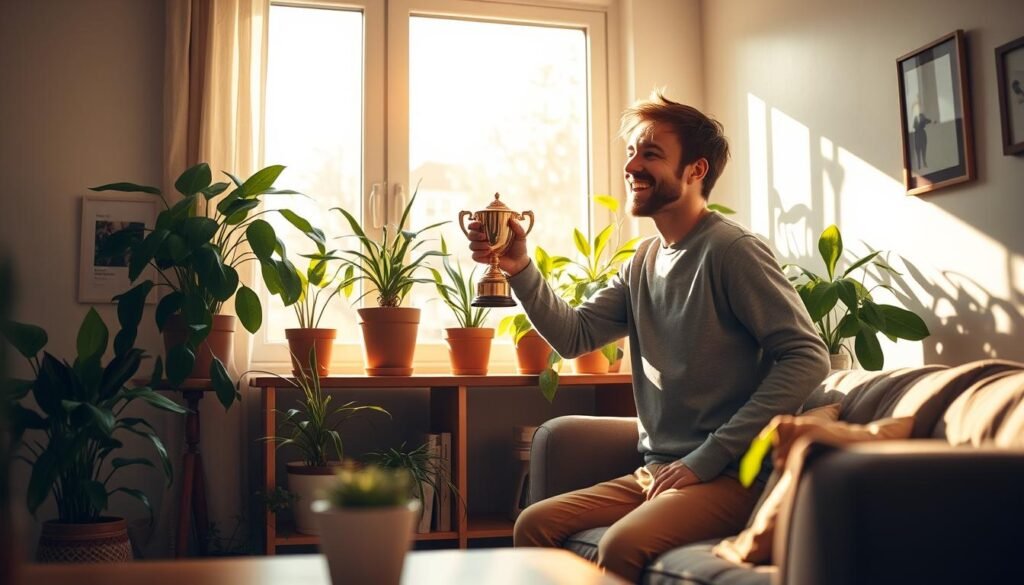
x=496 y=108
x=314 y=127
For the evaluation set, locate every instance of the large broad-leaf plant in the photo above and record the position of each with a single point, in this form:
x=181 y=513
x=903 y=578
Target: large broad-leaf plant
x=842 y=307
x=196 y=249
x=80 y=413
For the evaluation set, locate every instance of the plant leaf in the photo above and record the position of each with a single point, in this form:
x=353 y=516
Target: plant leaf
x=249 y=309
x=753 y=459
x=830 y=245
x=29 y=340
x=902 y=323
x=549 y=383
x=262 y=238
x=869 y=352
x=581 y=242
x=92 y=337
x=194 y=179
x=222 y=383
x=608 y=202
x=260 y=181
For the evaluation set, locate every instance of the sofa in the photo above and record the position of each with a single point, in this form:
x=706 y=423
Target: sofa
x=946 y=506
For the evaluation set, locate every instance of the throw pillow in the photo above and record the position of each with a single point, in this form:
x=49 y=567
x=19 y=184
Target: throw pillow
x=755 y=544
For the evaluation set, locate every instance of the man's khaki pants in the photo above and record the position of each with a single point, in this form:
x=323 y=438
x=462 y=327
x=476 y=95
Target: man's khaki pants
x=640 y=530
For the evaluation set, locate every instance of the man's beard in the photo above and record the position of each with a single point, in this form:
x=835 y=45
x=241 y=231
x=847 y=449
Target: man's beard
x=661 y=196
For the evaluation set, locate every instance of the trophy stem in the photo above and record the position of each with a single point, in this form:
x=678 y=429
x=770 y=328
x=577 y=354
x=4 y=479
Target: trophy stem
x=493 y=289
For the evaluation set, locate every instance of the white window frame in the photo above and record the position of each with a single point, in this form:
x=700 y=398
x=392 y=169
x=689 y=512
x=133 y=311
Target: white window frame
x=386 y=134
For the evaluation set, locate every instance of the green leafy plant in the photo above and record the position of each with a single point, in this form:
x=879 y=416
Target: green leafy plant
x=277 y=500
x=599 y=259
x=551 y=269
x=312 y=428
x=81 y=414
x=458 y=292
x=196 y=249
x=842 y=307
x=425 y=467
x=309 y=308
x=370 y=486
x=384 y=265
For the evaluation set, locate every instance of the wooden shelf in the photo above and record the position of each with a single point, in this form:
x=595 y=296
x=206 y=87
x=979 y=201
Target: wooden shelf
x=490 y=527
x=287 y=536
x=448 y=413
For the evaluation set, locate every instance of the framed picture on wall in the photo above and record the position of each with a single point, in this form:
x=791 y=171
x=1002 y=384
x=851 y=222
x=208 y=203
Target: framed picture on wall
x=935 y=116
x=101 y=276
x=1010 y=76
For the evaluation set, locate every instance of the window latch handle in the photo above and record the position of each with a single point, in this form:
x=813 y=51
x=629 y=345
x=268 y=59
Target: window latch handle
x=375 y=206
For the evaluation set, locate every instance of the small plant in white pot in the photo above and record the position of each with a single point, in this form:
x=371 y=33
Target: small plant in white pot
x=313 y=430
x=469 y=345
x=366 y=522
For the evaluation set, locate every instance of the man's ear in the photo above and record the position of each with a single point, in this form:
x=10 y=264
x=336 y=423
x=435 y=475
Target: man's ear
x=699 y=169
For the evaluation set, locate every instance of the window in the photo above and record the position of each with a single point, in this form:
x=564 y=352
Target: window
x=481 y=97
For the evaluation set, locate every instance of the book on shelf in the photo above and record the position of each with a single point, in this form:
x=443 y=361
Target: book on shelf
x=429 y=510
x=444 y=498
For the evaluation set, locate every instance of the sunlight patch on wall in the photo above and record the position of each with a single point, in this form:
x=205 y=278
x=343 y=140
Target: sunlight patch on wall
x=791 y=182
x=757 y=134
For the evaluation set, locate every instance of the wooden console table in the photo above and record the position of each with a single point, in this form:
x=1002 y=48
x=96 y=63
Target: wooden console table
x=448 y=413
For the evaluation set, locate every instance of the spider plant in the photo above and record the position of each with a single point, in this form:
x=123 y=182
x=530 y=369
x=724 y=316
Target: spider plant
x=458 y=293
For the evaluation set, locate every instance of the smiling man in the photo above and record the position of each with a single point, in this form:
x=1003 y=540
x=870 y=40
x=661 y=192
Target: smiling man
x=720 y=344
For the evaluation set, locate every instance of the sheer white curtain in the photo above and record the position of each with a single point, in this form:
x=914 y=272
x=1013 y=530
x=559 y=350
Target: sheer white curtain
x=215 y=72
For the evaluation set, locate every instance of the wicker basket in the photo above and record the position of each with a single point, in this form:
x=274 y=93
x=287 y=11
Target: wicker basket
x=103 y=541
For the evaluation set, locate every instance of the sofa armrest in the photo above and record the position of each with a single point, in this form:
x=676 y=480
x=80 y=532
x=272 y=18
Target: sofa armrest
x=906 y=512
x=572 y=452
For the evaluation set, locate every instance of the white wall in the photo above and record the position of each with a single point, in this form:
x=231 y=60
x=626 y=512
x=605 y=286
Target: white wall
x=80 y=105
x=808 y=95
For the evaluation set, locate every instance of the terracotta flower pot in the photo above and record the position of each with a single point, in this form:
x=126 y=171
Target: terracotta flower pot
x=220 y=342
x=104 y=541
x=469 y=349
x=301 y=341
x=594 y=362
x=389 y=339
x=532 y=353
x=307 y=483
x=366 y=545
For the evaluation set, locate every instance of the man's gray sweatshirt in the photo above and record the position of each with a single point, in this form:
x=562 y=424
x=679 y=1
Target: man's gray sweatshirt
x=720 y=341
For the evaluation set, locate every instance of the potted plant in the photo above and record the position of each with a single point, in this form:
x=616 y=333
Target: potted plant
x=469 y=345
x=532 y=351
x=389 y=267
x=312 y=429
x=196 y=249
x=599 y=262
x=366 y=524
x=427 y=469
x=841 y=307
x=317 y=292
x=81 y=414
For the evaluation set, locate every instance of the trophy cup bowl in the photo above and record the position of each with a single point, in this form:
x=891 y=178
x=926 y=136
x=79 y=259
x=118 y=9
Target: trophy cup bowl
x=493 y=289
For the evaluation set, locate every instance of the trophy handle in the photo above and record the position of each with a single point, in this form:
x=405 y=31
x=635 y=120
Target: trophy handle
x=523 y=216
x=462 y=223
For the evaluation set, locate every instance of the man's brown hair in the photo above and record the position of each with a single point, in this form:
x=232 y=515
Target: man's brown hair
x=700 y=135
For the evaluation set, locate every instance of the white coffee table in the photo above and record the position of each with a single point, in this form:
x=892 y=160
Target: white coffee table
x=498 y=566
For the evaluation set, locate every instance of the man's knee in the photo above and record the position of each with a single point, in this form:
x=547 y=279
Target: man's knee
x=621 y=551
x=533 y=527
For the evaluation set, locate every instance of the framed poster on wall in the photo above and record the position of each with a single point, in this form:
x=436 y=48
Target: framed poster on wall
x=1010 y=76
x=935 y=116
x=101 y=275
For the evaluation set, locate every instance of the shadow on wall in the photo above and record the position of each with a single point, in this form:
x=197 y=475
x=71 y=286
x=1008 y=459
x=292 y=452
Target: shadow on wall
x=801 y=182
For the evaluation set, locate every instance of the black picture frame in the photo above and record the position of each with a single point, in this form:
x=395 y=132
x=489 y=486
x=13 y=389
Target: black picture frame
x=1010 y=79
x=935 y=115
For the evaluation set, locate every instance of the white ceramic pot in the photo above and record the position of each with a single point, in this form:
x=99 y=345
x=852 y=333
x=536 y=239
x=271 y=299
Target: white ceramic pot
x=309 y=484
x=840 y=361
x=365 y=546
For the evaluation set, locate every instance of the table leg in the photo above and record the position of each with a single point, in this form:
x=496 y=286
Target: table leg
x=193 y=483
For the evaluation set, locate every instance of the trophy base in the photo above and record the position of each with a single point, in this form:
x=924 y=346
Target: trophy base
x=491 y=301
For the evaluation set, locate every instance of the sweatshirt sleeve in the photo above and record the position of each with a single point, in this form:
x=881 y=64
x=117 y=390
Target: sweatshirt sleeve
x=768 y=306
x=573 y=331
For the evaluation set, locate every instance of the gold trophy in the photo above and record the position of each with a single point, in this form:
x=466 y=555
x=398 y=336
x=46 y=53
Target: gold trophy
x=493 y=289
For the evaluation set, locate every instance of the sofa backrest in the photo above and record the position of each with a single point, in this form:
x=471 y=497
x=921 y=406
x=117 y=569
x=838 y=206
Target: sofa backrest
x=989 y=412
x=925 y=392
